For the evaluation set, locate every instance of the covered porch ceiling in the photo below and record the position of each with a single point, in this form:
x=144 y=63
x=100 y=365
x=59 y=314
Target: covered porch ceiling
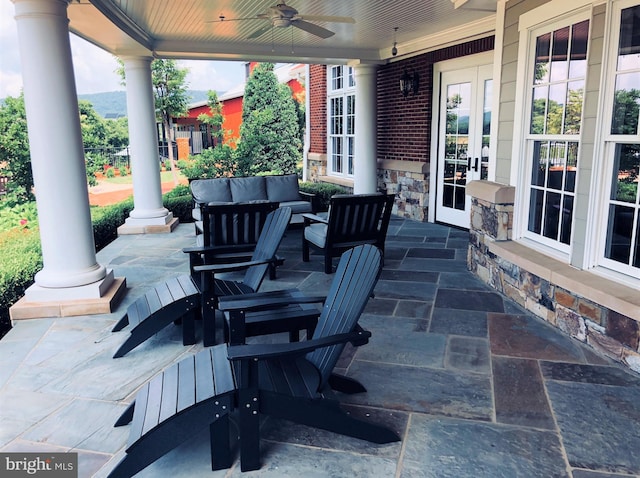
x=191 y=29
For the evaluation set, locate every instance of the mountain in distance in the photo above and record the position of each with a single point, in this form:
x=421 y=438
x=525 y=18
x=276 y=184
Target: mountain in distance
x=113 y=104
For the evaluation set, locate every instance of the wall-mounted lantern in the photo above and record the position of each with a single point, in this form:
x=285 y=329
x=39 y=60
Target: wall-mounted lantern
x=409 y=83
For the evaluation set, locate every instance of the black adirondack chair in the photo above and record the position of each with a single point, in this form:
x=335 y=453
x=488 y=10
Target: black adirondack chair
x=228 y=229
x=352 y=220
x=289 y=381
x=185 y=298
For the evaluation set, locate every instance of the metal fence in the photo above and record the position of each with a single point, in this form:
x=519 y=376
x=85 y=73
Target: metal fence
x=115 y=157
x=120 y=157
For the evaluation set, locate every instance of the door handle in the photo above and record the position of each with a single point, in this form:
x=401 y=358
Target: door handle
x=475 y=167
x=469 y=163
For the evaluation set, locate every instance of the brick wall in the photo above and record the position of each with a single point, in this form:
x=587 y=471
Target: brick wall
x=318 y=108
x=404 y=124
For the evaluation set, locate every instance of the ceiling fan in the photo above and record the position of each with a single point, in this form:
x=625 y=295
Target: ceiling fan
x=282 y=16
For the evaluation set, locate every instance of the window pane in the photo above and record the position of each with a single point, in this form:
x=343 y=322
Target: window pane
x=559 y=57
x=552 y=215
x=447 y=195
x=571 y=167
x=626 y=173
x=626 y=104
x=539 y=109
x=555 y=114
x=540 y=163
x=541 y=69
x=579 y=40
x=535 y=211
x=618 y=247
x=567 y=219
x=629 y=45
x=336 y=77
x=336 y=154
x=573 y=110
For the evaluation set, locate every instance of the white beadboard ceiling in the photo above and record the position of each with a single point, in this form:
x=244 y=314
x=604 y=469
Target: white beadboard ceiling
x=191 y=28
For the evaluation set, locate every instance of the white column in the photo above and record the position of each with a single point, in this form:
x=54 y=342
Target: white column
x=143 y=139
x=57 y=156
x=365 y=180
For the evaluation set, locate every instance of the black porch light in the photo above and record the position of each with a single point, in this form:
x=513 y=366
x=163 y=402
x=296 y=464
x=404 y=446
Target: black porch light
x=409 y=83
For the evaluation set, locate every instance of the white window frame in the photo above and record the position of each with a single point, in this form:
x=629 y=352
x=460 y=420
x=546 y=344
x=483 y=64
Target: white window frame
x=605 y=155
x=345 y=91
x=547 y=18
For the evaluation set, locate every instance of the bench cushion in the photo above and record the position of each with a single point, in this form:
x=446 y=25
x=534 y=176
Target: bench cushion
x=248 y=189
x=282 y=188
x=211 y=190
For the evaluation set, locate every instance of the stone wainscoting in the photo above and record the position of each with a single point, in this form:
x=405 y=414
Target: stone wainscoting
x=409 y=181
x=588 y=307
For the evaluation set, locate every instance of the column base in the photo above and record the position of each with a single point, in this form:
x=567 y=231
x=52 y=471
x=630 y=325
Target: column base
x=155 y=225
x=27 y=308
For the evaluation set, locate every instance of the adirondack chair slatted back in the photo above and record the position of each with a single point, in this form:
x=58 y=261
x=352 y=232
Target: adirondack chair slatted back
x=234 y=224
x=353 y=284
x=358 y=219
x=273 y=230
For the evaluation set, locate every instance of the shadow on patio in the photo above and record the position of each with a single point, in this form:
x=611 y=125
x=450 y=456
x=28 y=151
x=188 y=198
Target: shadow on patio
x=473 y=384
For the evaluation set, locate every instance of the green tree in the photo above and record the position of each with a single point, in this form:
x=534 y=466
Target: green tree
x=117 y=132
x=15 y=159
x=269 y=134
x=94 y=129
x=215 y=119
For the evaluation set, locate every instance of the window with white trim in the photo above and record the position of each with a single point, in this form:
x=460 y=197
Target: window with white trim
x=620 y=247
x=341 y=109
x=555 y=84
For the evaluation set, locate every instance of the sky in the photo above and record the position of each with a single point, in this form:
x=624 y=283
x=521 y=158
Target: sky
x=95 y=68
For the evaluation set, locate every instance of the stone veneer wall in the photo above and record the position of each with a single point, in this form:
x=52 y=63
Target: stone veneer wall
x=409 y=181
x=610 y=333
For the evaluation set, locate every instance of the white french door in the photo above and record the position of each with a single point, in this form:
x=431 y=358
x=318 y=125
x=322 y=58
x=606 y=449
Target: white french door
x=463 y=139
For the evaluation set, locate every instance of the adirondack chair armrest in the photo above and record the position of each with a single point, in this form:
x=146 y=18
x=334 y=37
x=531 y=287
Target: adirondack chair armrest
x=310 y=218
x=263 y=301
x=230 y=250
x=235 y=266
x=266 y=351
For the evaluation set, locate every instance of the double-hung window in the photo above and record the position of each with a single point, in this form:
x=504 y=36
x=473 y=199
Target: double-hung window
x=342 y=120
x=619 y=248
x=556 y=84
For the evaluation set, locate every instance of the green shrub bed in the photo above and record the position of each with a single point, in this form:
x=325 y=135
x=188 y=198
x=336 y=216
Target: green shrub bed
x=21 y=254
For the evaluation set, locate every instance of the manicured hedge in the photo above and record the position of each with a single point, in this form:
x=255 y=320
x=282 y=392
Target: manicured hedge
x=323 y=191
x=20 y=259
x=21 y=254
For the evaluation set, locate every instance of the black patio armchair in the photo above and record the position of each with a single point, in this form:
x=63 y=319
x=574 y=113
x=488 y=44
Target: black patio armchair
x=352 y=220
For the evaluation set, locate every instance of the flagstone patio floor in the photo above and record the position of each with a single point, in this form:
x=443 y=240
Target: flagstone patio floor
x=474 y=385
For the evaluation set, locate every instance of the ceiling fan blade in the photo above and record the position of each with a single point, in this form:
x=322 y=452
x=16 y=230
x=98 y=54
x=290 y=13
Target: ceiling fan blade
x=260 y=31
x=313 y=29
x=323 y=18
